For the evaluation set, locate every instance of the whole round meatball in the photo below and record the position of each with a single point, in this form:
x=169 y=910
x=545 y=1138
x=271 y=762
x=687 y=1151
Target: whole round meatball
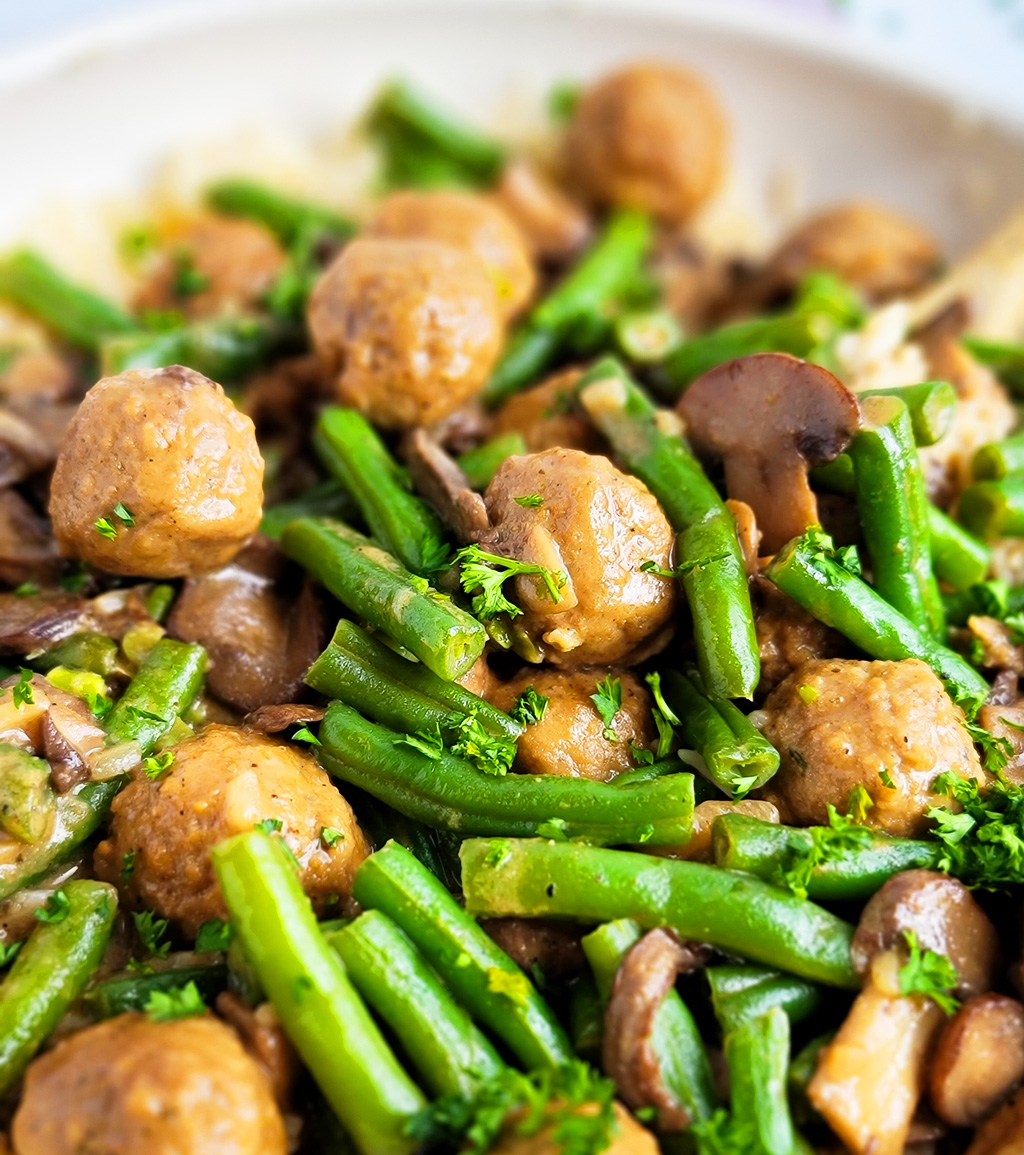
x=211 y=266
x=545 y=417
x=467 y=221
x=224 y=782
x=874 y=249
x=407 y=329
x=839 y=724
x=130 y=1085
x=596 y=526
x=651 y=137
x=170 y=450
x=570 y=738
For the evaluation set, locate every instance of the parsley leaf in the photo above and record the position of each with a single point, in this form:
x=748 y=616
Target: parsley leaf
x=814 y=846
x=105 y=528
x=490 y=753
x=269 y=825
x=151 y=931
x=858 y=804
x=641 y=757
x=8 y=952
x=529 y=500
x=995 y=752
x=929 y=974
x=214 y=935
x=23 y=689
x=26 y=590
x=304 y=734
x=127 y=866
x=487 y=572
x=57 y=908
x=983 y=843
x=681 y=570
x=178 y=1003
x=428 y=742
x=124 y=514
x=157 y=765
x=530 y=707
x=886 y=779
x=553 y=828
x=665 y=718
x=724 y=1134
x=608 y=701
x=330 y=836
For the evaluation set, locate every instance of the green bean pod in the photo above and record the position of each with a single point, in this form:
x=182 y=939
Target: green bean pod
x=475 y=969
x=893 y=512
x=741 y=842
x=374 y=585
x=847 y=604
x=1004 y=358
x=325 y=499
x=741 y=993
x=737 y=913
x=958 y=559
x=675 y=1040
x=405 y=696
x=50 y=972
x=931 y=405
x=132 y=993
x=313 y=997
x=757 y=1051
x=451 y=1056
x=482 y=463
x=401 y=522
x=291 y=220
x=999 y=459
x=83 y=651
x=738 y=757
x=993 y=508
x=714 y=576
x=451 y=794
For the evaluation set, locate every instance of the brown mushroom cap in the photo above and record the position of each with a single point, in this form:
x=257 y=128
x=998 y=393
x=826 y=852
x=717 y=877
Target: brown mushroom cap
x=768 y=417
x=942 y=913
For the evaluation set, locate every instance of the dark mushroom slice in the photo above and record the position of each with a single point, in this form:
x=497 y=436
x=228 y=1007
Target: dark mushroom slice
x=261 y=623
x=438 y=478
x=274 y=719
x=35 y=623
x=555 y=227
x=28 y=549
x=979 y=1059
x=554 y=947
x=23 y=450
x=769 y=417
x=71 y=739
x=1003 y=1133
x=869 y=1103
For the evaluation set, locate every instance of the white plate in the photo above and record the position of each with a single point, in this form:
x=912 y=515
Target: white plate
x=91 y=114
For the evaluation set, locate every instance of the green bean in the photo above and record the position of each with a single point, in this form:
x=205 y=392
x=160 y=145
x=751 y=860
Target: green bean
x=738 y=757
x=738 y=914
x=602 y=274
x=163 y=686
x=708 y=552
x=586 y=1017
x=813 y=579
x=675 y=1040
x=401 y=522
x=893 y=512
x=74 y=314
x=479 y=974
x=451 y=794
x=83 y=651
x=958 y=559
x=324 y=1017
x=801 y=1071
x=1004 y=358
x=374 y=585
x=158 y=602
x=481 y=464
x=993 y=508
x=647 y=337
x=757 y=1051
x=741 y=842
x=131 y=993
x=999 y=459
x=28 y=803
x=50 y=972
x=740 y=993
x=291 y=220
x=450 y=1054
x=406 y=696
x=325 y=499
x=932 y=406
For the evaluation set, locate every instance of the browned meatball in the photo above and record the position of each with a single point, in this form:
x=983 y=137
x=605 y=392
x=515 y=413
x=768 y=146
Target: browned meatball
x=222 y=783
x=874 y=249
x=466 y=221
x=168 y=446
x=650 y=136
x=597 y=526
x=545 y=416
x=628 y=1138
x=212 y=265
x=408 y=330
x=570 y=739
x=128 y=1085
x=839 y=724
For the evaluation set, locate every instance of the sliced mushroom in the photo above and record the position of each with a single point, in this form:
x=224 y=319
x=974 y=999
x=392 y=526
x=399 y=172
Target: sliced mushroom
x=1003 y=1133
x=555 y=227
x=28 y=549
x=71 y=739
x=979 y=1059
x=23 y=451
x=32 y=624
x=647 y=974
x=871 y=1076
x=769 y=417
x=261 y=623
x=438 y=478
x=274 y=719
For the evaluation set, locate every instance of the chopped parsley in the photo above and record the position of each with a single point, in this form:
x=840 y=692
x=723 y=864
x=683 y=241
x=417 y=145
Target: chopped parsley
x=929 y=974
x=74 y=582
x=124 y=515
x=530 y=707
x=56 y=909
x=23 y=689
x=553 y=828
x=127 y=866
x=995 y=752
x=140 y=715
x=304 y=734
x=490 y=753
x=724 y=1134
x=151 y=931
x=983 y=843
x=270 y=825
x=178 y=1003
x=9 y=952
x=529 y=500
x=105 y=528
x=488 y=572
x=157 y=765
x=858 y=804
x=665 y=718
x=886 y=779
x=608 y=700
x=814 y=846
x=214 y=935
x=428 y=742
x=330 y=836
x=26 y=590
x=187 y=279
x=681 y=570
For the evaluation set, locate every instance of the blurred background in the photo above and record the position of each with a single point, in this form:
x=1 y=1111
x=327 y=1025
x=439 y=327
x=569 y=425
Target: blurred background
x=972 y=47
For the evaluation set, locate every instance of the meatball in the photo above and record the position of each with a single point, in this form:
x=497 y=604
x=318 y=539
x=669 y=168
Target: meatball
x=466 y=221
x=874 y=249
x=222 y=783
x=545 y=417
x=839 y=724
x=787 y=635
x=628 y=1138
x=213 y=265
x=651 y=137
x=597 y=526
x=168 y=447
x=570 y=739
x=129 y=1085
x=408 y=330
